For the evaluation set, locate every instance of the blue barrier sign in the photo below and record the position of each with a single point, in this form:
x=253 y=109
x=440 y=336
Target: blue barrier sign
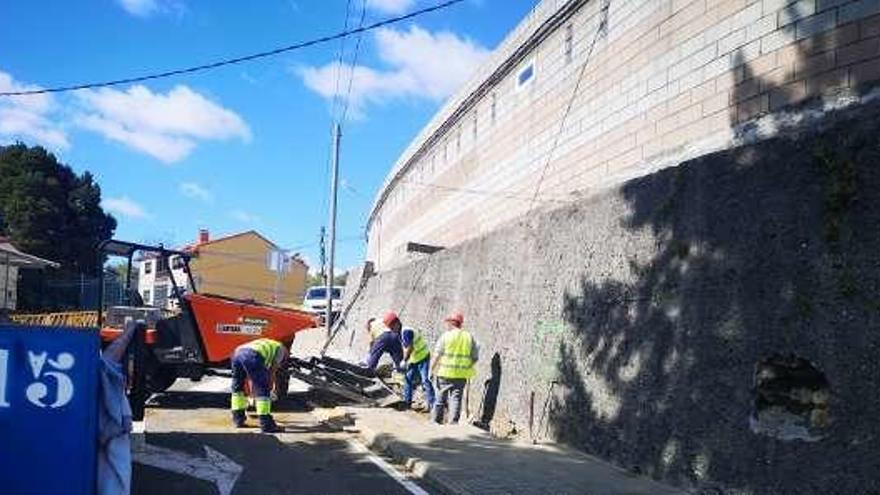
x=48 y=410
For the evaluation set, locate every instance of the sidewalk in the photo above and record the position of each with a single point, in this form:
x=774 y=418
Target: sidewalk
x=466 y=460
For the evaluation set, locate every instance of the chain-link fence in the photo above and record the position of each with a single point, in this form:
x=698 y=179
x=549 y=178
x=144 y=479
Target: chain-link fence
x=46 y=292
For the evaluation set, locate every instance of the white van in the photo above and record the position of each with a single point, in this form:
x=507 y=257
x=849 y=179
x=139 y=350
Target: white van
x=315 y=301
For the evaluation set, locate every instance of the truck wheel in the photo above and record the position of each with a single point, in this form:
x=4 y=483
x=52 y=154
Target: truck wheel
x=282 y=383
x=160 y=378
x=136 y=363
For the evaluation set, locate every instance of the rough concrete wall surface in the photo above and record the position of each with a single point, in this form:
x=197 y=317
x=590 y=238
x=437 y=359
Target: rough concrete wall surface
x=631 y=324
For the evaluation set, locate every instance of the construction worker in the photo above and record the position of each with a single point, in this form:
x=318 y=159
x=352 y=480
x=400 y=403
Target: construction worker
x=388 y=341
x=455 y=355
x=418 y=357
x=257 y=361
x=375 y=328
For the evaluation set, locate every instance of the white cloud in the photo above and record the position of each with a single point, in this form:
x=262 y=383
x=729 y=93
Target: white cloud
x=147 y=8
x=196 y=191
x=421 y=65
x=124 y=206
x=29 y=117
x=165 y=126
x=390 y=6
x=243 y=216
x=140 y=8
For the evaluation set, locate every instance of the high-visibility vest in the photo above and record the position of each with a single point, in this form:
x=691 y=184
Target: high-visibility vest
x=268 y=349
x=419 y=347
x=377 y=328
x=456 y=360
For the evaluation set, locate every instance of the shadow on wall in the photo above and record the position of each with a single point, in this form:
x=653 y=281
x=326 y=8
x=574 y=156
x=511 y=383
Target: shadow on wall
x=761 y=251
x=489 y=397
x=801 y=73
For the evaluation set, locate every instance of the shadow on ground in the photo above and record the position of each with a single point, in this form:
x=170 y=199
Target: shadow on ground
x=482 y=464
x=271 y=467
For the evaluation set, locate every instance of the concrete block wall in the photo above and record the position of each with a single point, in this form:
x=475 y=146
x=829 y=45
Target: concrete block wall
x=662 y=82
x=631 y=323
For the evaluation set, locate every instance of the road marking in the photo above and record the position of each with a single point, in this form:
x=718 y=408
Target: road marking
x=214 y=467
x=218 y=384
x=387 y=468
x=211 y=384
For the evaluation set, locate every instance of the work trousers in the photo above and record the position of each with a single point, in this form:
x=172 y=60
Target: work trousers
x=248 y=364
x=448 y=389
x=421 y=371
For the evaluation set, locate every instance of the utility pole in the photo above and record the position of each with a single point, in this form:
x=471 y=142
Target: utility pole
x=280 y=257
x=337 y=131
x=323 y=255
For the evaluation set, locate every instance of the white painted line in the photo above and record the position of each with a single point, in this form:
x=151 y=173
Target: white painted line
x=388 y=469
x=211 y=384
x=217 y=384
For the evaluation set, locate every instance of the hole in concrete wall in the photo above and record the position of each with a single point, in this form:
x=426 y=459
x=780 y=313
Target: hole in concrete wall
x=791 y=399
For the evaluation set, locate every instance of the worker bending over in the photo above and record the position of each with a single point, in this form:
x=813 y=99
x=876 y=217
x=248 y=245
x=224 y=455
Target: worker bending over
x=257 y=361
x=455 y=354
x=385 y=341
x=375 y=328
x=417 y=357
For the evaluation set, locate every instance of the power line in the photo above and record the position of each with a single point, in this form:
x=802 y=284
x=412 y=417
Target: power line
x=600 y=30
x=354 y=61
x=334 y=107
x=235 y=60
x=501 y=193
x=339 y=59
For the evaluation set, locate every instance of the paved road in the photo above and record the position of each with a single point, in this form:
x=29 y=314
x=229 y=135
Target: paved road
x=308 y=458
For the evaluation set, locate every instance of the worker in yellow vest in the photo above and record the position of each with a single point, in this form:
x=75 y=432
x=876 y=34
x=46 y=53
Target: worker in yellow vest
x=455 y=355
x=385 y=340
x=417 y=356
x=257 y=361
x=375 y=329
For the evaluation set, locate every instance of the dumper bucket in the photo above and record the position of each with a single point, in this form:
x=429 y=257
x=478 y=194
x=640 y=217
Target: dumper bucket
x=226 y=323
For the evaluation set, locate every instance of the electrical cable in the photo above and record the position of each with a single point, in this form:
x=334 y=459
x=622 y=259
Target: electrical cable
x=339 y=59
x=600 y=29
x=334 y=106
x=236 y=60
x=354 y=61
x=501 y=193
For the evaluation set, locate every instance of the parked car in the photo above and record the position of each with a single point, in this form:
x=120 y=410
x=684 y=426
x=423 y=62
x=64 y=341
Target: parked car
x=315 y=300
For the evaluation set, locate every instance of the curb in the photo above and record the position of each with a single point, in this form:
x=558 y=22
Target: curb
x=399 y=453
x=393 y=450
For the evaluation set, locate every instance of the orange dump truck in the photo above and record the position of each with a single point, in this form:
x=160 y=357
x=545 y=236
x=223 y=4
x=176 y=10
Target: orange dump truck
x=203 y=334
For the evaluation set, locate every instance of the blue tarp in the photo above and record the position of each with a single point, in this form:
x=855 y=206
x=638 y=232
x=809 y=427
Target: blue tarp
x=48 y=410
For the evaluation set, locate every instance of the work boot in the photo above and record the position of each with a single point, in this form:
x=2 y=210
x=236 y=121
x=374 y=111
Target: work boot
x=268 y=425
x=239 y=418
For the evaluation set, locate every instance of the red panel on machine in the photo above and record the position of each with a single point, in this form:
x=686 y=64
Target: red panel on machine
x=226 y=323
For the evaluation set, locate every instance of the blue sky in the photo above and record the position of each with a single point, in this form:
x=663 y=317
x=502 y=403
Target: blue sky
x=244 y=146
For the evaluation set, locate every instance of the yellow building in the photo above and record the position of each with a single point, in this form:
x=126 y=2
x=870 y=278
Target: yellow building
x=243 y=266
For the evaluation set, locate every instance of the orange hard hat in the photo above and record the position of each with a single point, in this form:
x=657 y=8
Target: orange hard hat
x=390 y=317
x=456 y=319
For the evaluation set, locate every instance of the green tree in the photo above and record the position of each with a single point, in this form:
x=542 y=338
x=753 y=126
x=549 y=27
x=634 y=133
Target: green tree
x=48 y=210
x=317 y=279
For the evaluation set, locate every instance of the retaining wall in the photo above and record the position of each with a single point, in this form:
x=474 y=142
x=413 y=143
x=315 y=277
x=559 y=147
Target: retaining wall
x=631 y=323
